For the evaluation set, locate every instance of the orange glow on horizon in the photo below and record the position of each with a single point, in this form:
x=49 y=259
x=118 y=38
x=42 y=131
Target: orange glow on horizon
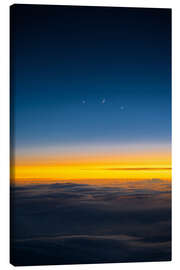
x=92 y=169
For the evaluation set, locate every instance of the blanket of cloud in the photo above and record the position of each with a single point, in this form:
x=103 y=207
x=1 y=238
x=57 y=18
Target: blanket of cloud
x=68 y=223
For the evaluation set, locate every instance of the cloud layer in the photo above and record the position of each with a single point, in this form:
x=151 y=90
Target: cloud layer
x=66 y=223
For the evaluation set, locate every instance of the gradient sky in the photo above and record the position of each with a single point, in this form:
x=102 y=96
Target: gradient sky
x=90 y=134
x=87 y=77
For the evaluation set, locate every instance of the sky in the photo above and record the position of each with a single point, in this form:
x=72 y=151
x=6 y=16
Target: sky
x=90 y=135
x=92 y=88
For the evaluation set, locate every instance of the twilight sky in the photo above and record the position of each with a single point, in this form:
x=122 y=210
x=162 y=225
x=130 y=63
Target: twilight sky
x=90 y=134
x=90 y=77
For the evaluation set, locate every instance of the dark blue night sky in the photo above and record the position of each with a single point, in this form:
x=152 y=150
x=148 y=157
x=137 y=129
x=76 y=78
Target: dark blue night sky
x=91 y=74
